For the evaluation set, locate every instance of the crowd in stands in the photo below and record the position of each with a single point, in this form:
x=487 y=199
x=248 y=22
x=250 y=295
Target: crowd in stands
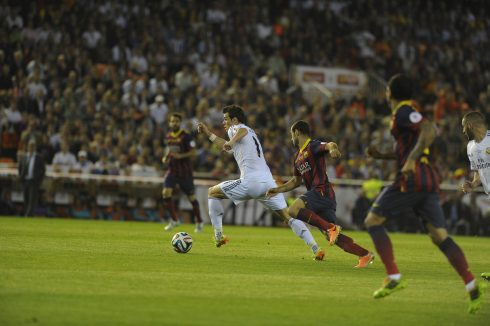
x=92 y=82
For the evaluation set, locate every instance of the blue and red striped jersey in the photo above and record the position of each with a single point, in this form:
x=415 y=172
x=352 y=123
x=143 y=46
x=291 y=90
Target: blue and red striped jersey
x=405 y=128
x=309 y=163
x=180 y=142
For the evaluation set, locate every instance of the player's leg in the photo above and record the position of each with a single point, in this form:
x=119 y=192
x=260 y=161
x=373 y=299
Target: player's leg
x=299 y=228
x=430 y=210
x=168 y=204
x=216 y=211
x=279 y=206
x=299 y=211
x=187 y=186
x=457 y=259
x=196 y=210
x=388 y=201
x=347 y=244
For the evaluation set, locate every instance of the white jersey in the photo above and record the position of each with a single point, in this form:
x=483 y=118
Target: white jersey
x=249 y=155
x=479 y=155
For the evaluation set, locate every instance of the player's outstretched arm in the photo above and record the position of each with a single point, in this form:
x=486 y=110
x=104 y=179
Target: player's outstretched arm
x=292 y=183
x=218 y=141
x=166 y=156
x=373 y=152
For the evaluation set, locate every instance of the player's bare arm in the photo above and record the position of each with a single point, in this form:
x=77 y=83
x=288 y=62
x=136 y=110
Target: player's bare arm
x=426 y=137
x=218 y=141
x=292 y=183
x=468 y=186
x=373 y=152
x=333 y=150
x=242 y=132
x=166 y=156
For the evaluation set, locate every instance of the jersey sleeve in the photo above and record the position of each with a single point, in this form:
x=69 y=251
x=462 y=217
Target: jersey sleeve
x=318 y=147
x=468 y=151
x=188 y=143
x=231 y=132
x=408 y=117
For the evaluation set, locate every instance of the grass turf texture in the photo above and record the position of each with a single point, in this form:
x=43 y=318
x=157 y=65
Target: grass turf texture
x=59 y=272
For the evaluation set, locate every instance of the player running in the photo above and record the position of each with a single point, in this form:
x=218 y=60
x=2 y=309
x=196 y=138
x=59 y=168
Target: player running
x=416 y=188
x=317 y=206
x=180 y=149
x=478 y=149
x=255 y=178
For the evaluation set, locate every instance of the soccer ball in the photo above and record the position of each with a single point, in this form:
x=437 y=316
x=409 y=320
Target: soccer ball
x=182 y=242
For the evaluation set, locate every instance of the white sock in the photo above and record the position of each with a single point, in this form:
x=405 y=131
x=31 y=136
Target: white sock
x=216 y=212
x=395 y=277
x=302 y=231
x=470 y=286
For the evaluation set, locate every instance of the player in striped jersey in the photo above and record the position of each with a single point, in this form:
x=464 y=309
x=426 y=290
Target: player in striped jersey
x=180 y=148
x=415 y=188
x=255 y=178
x=317 y=206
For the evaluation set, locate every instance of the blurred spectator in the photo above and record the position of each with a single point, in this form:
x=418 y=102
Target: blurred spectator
x=83 y=165
x=104 y=165
x=158 y=111
x=64 y=160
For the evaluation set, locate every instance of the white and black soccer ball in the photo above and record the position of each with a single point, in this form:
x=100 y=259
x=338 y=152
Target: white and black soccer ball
x=182 y=242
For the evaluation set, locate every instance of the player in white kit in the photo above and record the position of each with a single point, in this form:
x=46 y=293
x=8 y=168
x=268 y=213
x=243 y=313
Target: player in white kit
x=255 y=178
x=476 y=129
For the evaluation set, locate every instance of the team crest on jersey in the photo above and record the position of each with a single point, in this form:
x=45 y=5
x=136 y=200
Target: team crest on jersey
x=305 y=155
x=415 y=117
x=487 y=151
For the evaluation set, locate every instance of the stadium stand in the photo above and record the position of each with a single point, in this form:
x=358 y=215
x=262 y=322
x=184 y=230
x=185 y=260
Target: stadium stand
x=101 y=76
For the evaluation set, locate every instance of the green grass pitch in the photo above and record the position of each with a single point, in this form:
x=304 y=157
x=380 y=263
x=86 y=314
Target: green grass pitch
x=71 y=272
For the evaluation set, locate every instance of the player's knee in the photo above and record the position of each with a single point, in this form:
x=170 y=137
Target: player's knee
x=166 y=194
x=373 y=220
x=283 y=214
x=293 y=211
x=214 y=192
x=438 y=236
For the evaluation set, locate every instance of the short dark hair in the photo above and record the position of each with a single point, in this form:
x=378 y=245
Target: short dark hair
x=235 y=111
x=177 y=115
x=302 y=126
x=401 y=87
x=475 y=117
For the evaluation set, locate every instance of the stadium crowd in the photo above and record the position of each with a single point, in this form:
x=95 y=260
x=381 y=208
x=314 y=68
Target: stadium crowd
x=92 y=82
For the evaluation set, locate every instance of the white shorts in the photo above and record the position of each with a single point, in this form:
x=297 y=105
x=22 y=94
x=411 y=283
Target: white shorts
x=241 y=190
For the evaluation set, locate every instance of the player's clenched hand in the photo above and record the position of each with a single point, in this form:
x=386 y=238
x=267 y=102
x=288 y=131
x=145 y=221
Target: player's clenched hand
x=202 y=128
x=408 y=167
x=467 y=187
x=227 y=146
x=333 y=150
x=271 y=192
x=335 y=153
